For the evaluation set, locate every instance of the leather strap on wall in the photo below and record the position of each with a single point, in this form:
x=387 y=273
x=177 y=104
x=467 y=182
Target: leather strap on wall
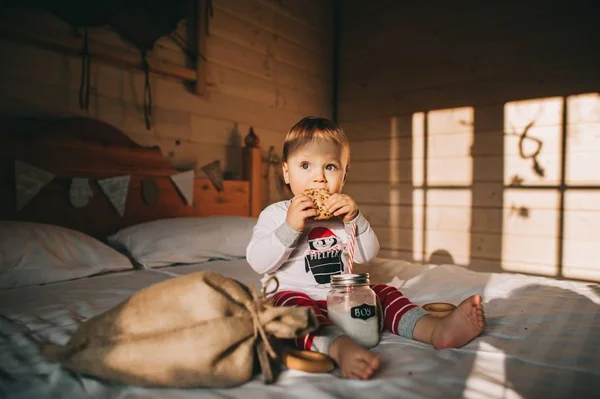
x=84 y=85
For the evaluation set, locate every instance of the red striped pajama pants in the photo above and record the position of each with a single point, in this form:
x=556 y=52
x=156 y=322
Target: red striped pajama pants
x=393 y=303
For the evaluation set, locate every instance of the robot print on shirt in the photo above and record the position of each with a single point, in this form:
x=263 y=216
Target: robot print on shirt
x=324 y=257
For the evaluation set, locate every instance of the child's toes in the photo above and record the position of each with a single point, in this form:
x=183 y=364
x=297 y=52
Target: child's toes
x=481 y=321
x=366 y=373
x=368 y=365
x=358 y=372
x=374 y=362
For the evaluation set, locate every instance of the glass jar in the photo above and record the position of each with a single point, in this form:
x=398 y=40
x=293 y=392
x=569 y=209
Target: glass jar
x=352 y=306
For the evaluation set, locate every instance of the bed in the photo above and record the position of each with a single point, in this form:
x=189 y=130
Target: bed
x=542 y=338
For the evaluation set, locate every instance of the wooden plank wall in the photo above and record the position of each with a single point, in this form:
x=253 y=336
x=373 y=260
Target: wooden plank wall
x=269 y=64
x=435 y=96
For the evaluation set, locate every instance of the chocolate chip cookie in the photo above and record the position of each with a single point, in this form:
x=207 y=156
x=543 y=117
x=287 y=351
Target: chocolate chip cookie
x=319 y=197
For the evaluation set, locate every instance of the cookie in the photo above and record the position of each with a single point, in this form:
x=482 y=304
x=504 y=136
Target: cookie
x=319 y=197
x=439 y=309
x=307 y=361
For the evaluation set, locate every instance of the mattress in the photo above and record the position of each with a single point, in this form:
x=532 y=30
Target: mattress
x=542 y=339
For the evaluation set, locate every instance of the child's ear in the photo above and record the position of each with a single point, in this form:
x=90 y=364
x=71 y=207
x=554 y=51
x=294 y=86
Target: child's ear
x=286 y=175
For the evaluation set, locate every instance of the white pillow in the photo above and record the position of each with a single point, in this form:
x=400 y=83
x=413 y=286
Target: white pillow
x=186 y=240
x=34 y=253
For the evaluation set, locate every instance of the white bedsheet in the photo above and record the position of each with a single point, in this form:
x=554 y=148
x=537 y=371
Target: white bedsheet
x=542 y=340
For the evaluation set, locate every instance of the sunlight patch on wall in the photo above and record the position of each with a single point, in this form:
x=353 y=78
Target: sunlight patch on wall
x=531 y=237
x=532 y=137
x=448 y=225
x=395 y=178
x=582 y=235
x=418 y=225
x=449 y=141
x=418 y=154
x=582 y=207
x=418 y=148
x=530 y=231
x=583 y=139
x=532 y=133
x=442 y=180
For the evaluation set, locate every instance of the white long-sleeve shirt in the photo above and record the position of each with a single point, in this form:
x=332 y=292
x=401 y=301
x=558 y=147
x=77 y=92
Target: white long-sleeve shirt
x=305 y=261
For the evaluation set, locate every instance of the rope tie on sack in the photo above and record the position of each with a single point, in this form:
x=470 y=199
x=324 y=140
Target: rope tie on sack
x=259 y=301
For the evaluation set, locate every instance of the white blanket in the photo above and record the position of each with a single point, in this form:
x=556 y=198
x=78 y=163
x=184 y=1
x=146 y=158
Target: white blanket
x=542 y=339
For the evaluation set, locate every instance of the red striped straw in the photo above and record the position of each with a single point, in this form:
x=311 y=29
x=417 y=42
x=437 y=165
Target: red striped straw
x=351 y=248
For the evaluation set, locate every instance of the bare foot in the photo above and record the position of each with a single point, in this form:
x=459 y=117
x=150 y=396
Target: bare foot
x=460 y=326
x=354 y=361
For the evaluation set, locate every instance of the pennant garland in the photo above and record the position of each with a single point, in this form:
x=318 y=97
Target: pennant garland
x=116 y=189
x=29 y=181
x=80 y=192
x=214 y=174
x=150 y=191
x=185 y=184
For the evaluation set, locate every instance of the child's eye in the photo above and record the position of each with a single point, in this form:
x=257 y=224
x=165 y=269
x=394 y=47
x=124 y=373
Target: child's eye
x=331 y=167
x=304 y=165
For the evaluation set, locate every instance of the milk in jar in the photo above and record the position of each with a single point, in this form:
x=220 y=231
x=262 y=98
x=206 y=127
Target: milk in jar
x=352 y=306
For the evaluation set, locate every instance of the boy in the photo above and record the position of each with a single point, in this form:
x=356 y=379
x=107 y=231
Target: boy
x=287 y=242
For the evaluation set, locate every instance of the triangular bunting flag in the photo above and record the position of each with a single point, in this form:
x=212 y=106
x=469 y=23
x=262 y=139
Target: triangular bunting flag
x=116 y=189
x=214 y=174
x=29 y=181
x=150 y=191
x=185 y=184
x=80 y=192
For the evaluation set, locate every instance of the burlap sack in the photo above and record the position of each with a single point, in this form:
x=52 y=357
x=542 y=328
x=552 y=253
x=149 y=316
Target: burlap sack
x=198 y=330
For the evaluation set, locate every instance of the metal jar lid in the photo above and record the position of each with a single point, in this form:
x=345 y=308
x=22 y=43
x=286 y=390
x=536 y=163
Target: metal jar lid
x=347 y=280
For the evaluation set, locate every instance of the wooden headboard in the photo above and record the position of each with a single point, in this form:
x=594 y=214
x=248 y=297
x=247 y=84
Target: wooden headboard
x=84 y=147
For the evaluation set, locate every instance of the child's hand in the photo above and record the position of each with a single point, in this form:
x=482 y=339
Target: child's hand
x=342 y=205
x=301 y=208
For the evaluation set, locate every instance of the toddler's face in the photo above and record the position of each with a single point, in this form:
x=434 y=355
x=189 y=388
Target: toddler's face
x=316 y=165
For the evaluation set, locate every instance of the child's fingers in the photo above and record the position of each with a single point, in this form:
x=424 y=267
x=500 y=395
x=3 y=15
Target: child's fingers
x=308 y=206
x=340 y=208
x=298 y=197
x=333 y=198
x=335 y=205
x=335 y=209
x=309 y=213
x=303 y=203
x=341 y=211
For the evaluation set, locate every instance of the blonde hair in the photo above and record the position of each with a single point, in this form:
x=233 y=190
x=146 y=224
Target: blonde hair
x=311 y=129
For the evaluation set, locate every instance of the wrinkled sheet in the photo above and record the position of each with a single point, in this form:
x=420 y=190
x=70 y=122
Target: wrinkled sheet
x=542 y=339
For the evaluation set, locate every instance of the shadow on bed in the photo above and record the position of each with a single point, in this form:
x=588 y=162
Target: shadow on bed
x=541 y=339
x=548 y=337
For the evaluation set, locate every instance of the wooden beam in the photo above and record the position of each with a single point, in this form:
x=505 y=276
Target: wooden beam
x=69 y=45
